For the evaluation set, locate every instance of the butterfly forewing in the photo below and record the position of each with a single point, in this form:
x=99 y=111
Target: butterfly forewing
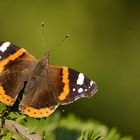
x=76 y=85
x=15 y=66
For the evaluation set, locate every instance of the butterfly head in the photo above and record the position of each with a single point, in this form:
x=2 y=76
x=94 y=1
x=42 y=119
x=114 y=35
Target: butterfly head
x=43 y=62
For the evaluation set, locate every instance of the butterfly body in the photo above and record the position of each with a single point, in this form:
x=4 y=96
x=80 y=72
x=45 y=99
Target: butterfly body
x=47 y=86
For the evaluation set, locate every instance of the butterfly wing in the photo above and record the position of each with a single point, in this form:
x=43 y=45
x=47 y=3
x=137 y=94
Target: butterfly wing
x=39 y=96
x=50 y=86
x=76 y=86
x=15 y=66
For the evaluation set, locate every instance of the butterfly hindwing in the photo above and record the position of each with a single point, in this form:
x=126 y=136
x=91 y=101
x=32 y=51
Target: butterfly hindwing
x=39 y=98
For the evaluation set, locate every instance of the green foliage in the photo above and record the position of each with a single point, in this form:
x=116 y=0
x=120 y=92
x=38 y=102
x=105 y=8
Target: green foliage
x=89 y=135
x=8 y=136
x=62 y=128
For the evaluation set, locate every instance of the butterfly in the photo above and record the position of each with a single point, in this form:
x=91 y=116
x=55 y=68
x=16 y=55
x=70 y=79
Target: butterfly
x=46 y=86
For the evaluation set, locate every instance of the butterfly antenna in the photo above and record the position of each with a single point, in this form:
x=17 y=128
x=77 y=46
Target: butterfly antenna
x=60 y=43
x=43 y=35
x=44 y=41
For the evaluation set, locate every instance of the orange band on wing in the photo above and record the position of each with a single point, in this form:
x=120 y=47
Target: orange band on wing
x=11 y=58
x=65 y=80
x=5 y=98
x=37 y=113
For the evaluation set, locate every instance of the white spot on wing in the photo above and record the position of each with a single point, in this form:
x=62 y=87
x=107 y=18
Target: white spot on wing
x=80 y=90
x=91 y=83
x=85 y=89
x=4 y=46
x=80 y=79
x=0 y=57
x=73 y=89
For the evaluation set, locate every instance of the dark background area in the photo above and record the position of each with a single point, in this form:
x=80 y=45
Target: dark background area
x=104 y=44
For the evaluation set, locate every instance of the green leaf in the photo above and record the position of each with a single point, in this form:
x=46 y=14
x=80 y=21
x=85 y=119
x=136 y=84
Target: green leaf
x=8 y=136
x=90 y=135
x=2 y=107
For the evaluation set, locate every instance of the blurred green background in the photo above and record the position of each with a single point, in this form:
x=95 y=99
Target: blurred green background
x=104 y=44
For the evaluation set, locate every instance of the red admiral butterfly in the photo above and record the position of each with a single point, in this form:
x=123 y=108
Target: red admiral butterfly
x=47 y=86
